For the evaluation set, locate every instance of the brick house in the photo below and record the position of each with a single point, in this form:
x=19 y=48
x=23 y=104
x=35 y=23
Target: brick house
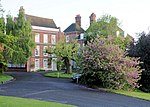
x=46 y=35
x=75 y=31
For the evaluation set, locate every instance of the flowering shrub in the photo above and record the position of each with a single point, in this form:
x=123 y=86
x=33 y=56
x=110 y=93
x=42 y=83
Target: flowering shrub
x=105 y=64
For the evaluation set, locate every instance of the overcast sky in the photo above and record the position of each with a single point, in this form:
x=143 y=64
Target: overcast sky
x=134 y=15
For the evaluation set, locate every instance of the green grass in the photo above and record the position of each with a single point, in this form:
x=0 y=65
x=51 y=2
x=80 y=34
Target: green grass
x=136 y=94
x=4 y=78
x=21 y=102
x=59 y=75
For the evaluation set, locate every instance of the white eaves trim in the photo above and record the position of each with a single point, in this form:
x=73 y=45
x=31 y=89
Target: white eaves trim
x=45 y=28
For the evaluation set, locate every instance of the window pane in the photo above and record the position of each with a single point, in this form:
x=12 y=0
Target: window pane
x=44 y=51
x=45 y=63
x=37 y=51
x=37 y=38
x=53 y=39
x=37 y=63
x=45 y=38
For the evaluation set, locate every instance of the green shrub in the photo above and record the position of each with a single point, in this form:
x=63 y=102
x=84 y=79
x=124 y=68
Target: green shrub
x=104 y=63
x=145 y=81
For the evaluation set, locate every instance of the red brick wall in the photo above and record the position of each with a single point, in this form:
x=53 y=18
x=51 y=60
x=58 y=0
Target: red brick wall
x=59 y=36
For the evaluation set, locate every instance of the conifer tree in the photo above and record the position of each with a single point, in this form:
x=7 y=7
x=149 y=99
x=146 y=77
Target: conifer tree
x=9 y=25
x=23 y=31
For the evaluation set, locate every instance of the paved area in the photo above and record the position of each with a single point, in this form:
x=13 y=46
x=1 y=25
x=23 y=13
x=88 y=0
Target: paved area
x=35 y=86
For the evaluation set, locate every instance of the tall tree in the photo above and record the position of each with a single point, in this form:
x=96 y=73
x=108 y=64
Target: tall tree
x=106 y=25
x=23 y=31
x=142 y=49
x=8 y=48
x=65 y=52
x=9 y=25
x=2 y=24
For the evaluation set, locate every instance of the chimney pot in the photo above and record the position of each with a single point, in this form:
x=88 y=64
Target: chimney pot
x=78 y=19
x=92 y=18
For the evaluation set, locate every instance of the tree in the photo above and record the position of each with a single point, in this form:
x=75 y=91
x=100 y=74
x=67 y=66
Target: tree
x=106 y=64
x=23 y=31
x=106 y=25
x=65 y=52
x=8 y=48
x=17 y=44
x=9 y=25
x=142 y=49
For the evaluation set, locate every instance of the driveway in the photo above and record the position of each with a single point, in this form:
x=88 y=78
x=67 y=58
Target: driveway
x=35 y=86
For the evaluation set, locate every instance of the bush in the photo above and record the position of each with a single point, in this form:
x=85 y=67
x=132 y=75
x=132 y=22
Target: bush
x=145 y=81
x=105 y=64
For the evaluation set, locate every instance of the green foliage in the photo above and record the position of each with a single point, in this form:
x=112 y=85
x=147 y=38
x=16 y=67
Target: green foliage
x=65 y=52
x=9 y=49
x=17 y=44
x=23 y=31
x=106 y=25
x=105 y=64
x=2 y=24
x=123 y=42
x=142 y=50
x=9 y=25
x=6 y=45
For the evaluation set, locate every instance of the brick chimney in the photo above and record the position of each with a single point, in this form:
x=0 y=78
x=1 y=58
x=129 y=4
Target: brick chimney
x=21 y=9
x=78 y=19
x=92 y=18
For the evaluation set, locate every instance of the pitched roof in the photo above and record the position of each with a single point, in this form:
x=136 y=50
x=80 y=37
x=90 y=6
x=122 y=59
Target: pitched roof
x=42 y=22
x=74 y=27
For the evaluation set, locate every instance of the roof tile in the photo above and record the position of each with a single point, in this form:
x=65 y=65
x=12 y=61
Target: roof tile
x=42 y=22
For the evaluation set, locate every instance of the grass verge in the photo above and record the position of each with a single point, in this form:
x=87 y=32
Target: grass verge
x=58 y=75
x=136 y=94
x=4 y=78
x=21 y=102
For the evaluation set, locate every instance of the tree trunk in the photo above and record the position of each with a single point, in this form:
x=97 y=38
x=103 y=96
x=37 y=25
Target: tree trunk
x=68 y=66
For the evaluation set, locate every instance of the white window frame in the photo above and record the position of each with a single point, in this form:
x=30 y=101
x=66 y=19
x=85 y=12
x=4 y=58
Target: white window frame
x=37 y=63
x=37 y=37
x=37 y=51
x=45 y=38
x=45 y=63
x=44 y=51
x=82 y=36
x=53 y=39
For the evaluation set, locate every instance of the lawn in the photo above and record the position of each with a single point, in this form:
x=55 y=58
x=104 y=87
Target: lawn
x=4 y=78
x=59 y=75
x=21 y=102
x=136 y=94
